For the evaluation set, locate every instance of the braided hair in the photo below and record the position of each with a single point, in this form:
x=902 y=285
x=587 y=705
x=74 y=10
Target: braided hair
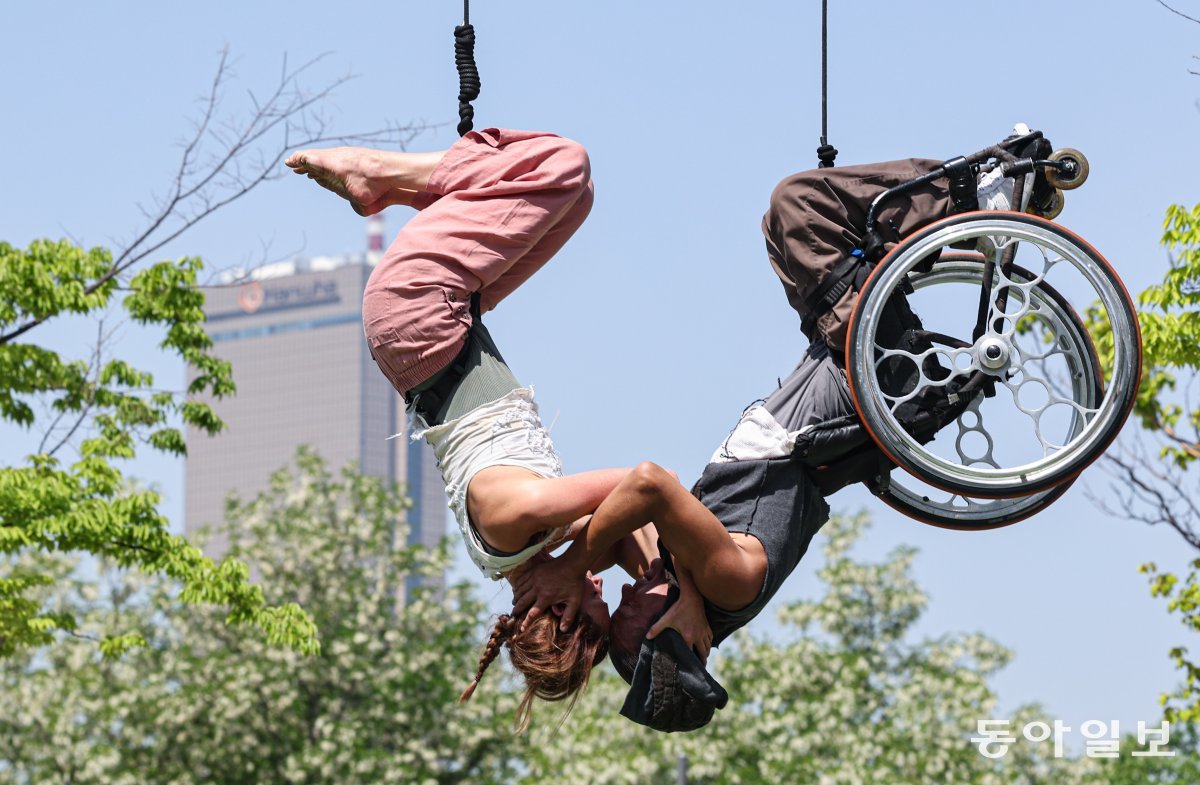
x=556 y=664
x=502 y=633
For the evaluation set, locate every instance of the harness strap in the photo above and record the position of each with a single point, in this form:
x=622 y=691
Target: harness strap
x=833 y=286
x=429 y=402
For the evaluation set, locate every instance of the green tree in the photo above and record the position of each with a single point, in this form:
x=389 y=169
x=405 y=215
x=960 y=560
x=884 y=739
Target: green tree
x=84 y=415
x=1152 y=472
x=201 y=704
x=1155 y=471
x=841 y=695
x=1183 y=768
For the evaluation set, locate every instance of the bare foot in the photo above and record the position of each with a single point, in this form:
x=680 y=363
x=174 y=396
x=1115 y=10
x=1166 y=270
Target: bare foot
x=369 y=179
x=402 y=196
x=350 y=172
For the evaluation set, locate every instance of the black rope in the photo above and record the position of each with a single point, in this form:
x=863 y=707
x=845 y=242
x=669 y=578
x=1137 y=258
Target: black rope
x=826 y=153
x=468 y=73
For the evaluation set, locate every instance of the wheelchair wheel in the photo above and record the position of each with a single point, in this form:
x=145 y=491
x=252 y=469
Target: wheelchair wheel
x=1053 y=206
x=1037 y=423
x=955 y=511
x=1076 y=176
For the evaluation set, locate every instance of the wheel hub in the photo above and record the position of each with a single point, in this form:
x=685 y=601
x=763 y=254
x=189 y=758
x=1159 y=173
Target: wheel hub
x=992 y=353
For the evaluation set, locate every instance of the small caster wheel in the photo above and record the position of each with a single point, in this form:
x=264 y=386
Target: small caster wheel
x=1051 y=206
x=1072 y=177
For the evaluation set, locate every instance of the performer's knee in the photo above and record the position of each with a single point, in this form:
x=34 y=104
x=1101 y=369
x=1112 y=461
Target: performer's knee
x=570 y=162
x=648 y=481
x=787 y=193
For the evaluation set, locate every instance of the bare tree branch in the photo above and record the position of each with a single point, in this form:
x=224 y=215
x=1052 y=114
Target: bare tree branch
x=1149 y=491
x=227 y=157
x=1189 y=405
x=83 y=636
x=1177 y=13
x=237 y=274
x=82 y=414
x=1187 y=445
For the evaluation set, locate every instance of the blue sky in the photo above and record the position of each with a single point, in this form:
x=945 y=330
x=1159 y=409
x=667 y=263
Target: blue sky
x=662 y=319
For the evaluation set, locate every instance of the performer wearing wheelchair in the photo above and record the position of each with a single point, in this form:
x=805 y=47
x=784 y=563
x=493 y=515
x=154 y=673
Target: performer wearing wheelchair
x=724 y=549
x=815 y=227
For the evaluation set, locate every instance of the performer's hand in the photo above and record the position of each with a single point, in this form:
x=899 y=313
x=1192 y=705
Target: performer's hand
x=574 y=531
x=550 y=584
x=687 y=617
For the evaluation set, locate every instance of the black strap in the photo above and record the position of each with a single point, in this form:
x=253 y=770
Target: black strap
x=833 y=286
x=429 y=402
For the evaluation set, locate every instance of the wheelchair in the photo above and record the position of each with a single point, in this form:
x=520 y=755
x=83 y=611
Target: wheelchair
x=1003 y=392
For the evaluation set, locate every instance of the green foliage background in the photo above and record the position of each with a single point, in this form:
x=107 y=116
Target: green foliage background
x=1162 y=491
x=82 y=503
x=843 y=695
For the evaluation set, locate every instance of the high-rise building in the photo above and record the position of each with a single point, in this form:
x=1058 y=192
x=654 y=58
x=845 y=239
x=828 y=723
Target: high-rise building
x=293 y=333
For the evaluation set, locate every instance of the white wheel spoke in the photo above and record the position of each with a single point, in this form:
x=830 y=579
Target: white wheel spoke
x=1050 y=404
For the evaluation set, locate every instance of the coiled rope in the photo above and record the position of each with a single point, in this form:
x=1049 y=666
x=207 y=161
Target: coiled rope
x=468 y=73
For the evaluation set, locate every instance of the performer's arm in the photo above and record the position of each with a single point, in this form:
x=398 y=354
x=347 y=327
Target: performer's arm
x=510 y=505
x=693 y=535
x=687 y=617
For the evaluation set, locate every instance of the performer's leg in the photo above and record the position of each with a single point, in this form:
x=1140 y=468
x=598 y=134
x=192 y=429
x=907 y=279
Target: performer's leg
x=500 y=204
x=369 y=179
x=537 y=256
x=817 y=218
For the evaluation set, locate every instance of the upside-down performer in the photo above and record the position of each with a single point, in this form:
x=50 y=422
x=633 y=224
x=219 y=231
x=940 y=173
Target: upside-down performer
x=725 y=548
x=493 y=208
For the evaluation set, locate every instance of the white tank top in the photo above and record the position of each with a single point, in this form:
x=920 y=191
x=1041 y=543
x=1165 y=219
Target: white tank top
x=505 y=432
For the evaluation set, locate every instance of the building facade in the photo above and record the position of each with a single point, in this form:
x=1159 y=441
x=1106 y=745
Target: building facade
x=293 y=333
